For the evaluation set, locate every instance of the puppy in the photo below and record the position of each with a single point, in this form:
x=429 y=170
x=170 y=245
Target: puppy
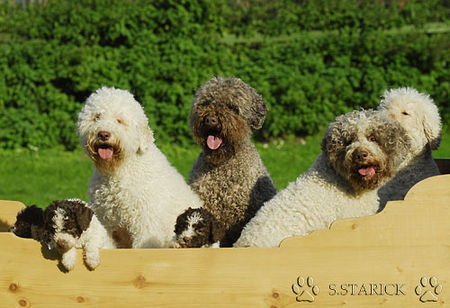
x=71 y=224
x=197 y=228
x=29 y=223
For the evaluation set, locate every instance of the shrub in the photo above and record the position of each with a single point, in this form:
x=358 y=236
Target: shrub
x=311 y=60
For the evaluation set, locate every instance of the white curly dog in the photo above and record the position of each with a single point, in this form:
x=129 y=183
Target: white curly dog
x=361 y=150
x=419 y=116
x=134 y=191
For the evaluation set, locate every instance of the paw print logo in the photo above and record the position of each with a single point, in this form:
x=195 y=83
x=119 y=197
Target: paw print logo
x=428 y=289
x=305 y=290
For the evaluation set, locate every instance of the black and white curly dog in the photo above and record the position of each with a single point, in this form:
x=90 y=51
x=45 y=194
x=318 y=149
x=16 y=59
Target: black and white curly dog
x=198 y=228
x=65 y=225
x=229 y=175
x=29 y=223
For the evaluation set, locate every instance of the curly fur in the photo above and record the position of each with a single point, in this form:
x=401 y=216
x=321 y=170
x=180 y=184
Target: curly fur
x=134 y=191
x=361 y=150
x=357 y=140
x=419 y=116
x=29 y=223
x=197 y=228
x=231 y=178
x=71 y=224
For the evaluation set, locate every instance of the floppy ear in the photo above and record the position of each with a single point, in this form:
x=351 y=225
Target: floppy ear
x=48 y=216
x=217 y=230
x=145 y=139
x=325 y=142
x=433 y=131
x=332 y=140
x=84 y=217
x=258 y=111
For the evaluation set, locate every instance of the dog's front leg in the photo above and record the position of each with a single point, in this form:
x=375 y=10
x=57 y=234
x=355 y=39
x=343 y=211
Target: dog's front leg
x=91 y=256
x=69 y=258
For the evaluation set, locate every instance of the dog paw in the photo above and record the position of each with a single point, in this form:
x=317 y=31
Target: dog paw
x=215 y=245
x=69 y=259
x=92 y=258
x=428 y=289
x=305 y=290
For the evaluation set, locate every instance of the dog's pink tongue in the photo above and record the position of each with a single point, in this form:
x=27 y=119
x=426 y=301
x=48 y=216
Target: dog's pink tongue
x=213 y=142
x=105 y=153
x=367 y=171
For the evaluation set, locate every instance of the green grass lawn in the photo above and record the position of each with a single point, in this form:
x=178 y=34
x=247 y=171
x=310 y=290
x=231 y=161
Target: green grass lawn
x=47 y=175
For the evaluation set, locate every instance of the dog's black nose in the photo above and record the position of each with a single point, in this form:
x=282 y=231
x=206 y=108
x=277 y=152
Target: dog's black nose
x=362 y=155
x=103 y=135
x=211 y=121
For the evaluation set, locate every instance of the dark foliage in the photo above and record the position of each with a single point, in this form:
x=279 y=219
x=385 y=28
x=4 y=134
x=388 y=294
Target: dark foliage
x=311 y=60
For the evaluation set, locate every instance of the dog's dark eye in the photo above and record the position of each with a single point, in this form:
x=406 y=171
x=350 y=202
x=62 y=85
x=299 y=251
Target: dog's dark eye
x=372 y=139
x=120 y=121
x=405 y=113
x=201 y=231
x=97 y=117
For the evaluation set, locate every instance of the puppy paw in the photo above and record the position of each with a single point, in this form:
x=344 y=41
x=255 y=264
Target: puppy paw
x=92 y=258
x=69 y=259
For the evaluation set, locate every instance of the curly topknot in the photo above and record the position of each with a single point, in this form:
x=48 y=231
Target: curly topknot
x=234 y=94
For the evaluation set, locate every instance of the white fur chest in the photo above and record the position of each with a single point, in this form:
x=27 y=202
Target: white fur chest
x=111 y=203
x=125 y=204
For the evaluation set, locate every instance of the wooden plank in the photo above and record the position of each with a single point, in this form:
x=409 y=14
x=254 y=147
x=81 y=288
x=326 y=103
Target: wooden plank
x=402 y=222
x=431 y=189
x=8 y=213
x=397 y=258
x=223 y=277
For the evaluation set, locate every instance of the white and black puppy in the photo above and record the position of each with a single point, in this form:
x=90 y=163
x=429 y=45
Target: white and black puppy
x=29 y=223
x=71 y=224
x=197 y=228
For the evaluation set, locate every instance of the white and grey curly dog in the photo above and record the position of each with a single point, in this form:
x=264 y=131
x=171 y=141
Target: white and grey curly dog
x=361 y=150
x=134 y=191
x=419 y=116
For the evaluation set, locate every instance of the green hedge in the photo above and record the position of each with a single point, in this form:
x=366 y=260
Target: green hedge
x=311 y=60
